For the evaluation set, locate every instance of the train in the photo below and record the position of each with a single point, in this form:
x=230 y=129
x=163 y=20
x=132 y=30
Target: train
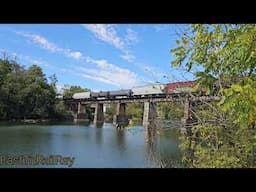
x=156 y=90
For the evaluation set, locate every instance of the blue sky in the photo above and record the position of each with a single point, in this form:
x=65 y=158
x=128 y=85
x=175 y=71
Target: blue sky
x=96 y=56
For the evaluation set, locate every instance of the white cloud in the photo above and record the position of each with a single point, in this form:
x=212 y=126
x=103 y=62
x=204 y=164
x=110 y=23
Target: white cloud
x=128 y=57
x=110 y=73
x=131 y=36
x=99 y=78
x=44 y=43
x=74 y=54
x=27 y=58
x=105 y=72
x=50 y=46
x=107 y=33
x=33 y=61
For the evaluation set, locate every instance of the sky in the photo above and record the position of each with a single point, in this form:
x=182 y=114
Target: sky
x=96 y=56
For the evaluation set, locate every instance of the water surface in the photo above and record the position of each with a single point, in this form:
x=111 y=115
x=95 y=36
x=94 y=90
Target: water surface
x=91 y=147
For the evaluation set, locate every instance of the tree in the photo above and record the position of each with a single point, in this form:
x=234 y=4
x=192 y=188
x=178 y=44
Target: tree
x=226 y=56
x=135 y=111
x=53 y=81
x=39 y=96
x=74 y=89
x=170 y=110
x=110 y=112
x=24 y=93
x=11 y=86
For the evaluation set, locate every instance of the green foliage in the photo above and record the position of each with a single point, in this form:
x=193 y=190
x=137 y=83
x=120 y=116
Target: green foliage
x=222 y=50
x=170 y=110
x=24 y=93
x=110 y=112
x=226 y=54
x=135 y=110
x=60 y=109
x=215 y=145
x=74 y=89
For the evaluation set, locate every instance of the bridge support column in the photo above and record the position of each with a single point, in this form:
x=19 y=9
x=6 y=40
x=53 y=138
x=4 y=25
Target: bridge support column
x=120 y=119
x=188 y=119
x=149 y=121
x=81 y=115
x=69 y=107
x=150 y=113
x=99 y=114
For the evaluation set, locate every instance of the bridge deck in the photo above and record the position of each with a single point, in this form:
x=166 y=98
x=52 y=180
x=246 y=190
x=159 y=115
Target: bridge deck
x=174 y=98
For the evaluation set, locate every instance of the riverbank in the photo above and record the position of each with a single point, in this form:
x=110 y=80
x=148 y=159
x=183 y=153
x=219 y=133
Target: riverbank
x=34 y=121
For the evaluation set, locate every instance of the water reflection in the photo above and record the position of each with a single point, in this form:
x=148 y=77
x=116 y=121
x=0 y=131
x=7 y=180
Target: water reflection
x=150 y=131
x=82 y=123
x=98 y=136
x=120 y=138
x=99 y=125
x=150 y=140
x=159 y=152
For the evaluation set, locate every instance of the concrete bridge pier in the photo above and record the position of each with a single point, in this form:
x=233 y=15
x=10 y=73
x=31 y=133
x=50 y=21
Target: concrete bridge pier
x=98 y=114
x=149 y=121
x=120 y=119
x=150 y=113
x=81 y=115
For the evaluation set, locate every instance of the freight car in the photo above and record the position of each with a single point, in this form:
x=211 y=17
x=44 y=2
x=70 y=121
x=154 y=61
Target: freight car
x=179 y=87
x=93 y=95
x=186 y=87
x=67 y=97
x=120 y=93
x=83 y=95
x=86 y=95
x=149 y=90
x=103 y=94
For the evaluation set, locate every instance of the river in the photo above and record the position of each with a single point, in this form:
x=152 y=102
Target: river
x=86 y=146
